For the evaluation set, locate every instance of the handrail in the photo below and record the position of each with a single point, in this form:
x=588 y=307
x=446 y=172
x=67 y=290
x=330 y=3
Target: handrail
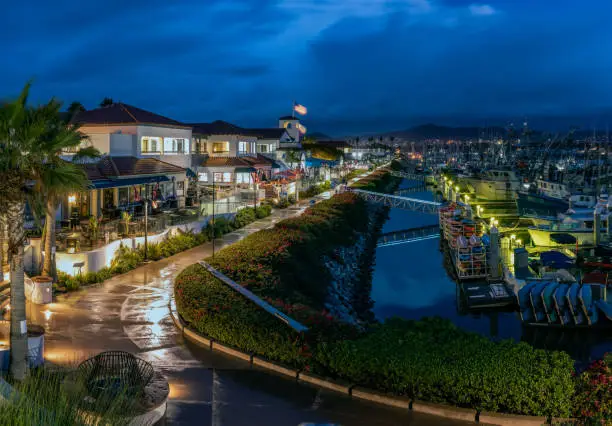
x=253 y=298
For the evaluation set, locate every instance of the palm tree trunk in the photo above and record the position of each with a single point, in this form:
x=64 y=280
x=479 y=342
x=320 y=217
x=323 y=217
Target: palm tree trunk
x=19 y=336
x=48 y=269
x=2 y=257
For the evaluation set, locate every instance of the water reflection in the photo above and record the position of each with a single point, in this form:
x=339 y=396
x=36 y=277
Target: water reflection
x=412 y=281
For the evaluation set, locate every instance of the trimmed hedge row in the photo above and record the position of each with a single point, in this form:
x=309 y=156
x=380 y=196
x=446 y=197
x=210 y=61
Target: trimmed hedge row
x=126 y=259
x=433 y=360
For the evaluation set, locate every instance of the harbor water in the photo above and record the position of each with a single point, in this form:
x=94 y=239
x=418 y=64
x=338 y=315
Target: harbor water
x=412 y=281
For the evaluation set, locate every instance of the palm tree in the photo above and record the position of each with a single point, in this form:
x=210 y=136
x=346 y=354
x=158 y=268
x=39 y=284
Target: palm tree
x=21 y=130
x=58 y=178
x=106 y=102
x=74 y=108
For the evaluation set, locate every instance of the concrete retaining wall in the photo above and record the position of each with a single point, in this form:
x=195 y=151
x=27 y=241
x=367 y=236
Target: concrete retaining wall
x=353 y=391
x=94 y=260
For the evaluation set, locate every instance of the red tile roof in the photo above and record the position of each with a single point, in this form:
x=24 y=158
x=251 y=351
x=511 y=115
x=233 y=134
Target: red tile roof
x=120 y=113
x=113 y=167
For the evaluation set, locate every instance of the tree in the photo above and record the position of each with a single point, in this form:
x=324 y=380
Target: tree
x=21 y=130
x=293 y=157
x=58 y=178
x=106 y=102
x=75 y=108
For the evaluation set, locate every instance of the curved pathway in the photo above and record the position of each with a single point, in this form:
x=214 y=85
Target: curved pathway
x=130 y=312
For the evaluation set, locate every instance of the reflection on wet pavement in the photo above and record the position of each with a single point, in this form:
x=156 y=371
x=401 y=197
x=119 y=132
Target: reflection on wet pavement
x=130 y=312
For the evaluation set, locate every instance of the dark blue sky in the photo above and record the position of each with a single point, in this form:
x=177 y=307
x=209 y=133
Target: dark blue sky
x=359 y=65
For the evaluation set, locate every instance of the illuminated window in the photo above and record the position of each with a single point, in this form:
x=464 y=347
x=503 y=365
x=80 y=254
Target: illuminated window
x=223 y=177
x=150 y=144
x=203 y=177
x=176 y=146
x=220 y=147
x=242 y=147
x=244 y=178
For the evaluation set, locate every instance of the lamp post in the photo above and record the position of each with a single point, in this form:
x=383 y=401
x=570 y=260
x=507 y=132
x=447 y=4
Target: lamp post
x=213 y=215
x=146 y=223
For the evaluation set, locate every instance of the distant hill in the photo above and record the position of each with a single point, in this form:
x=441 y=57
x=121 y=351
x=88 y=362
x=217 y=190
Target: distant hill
x=432 y=131
x=318 y=136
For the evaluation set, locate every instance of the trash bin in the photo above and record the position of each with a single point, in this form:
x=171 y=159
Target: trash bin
x=42 y=290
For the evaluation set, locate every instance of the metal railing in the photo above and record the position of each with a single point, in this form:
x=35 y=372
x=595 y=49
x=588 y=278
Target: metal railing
x=409 y=235
x=406 y=203
x=256 y=300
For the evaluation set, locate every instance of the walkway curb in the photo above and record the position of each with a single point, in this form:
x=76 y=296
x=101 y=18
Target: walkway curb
x=439 y=410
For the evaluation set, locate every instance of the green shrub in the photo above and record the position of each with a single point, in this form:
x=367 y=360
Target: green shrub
x=593 y=401
x=244 y=217
x=264 y=211
x=432 y=360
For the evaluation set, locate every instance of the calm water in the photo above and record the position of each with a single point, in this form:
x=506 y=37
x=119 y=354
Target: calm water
x=410 y=281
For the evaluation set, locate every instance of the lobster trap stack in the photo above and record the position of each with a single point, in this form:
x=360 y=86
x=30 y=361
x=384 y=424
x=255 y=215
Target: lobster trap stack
x=467 y=244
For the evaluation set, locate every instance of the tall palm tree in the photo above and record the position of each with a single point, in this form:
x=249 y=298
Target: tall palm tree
x=74 y=108
x=21 y=130
x=106 y=102
x=58 y=178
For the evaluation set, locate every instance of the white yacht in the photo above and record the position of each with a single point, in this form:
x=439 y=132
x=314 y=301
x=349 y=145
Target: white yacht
x=495 y=184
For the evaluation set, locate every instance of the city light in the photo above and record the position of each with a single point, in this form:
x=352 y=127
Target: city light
x=72 y=199
x=513 y=237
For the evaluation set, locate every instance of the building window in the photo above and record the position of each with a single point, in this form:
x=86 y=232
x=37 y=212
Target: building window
x=220 y=147
x=223 y=177
x=202 y=177
x=244 y=178
x=149 y=145
x=242 y=147
x=262 y=148
x=176 y=146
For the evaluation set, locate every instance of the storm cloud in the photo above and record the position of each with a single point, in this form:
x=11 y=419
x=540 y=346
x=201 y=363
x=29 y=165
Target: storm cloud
x=359 y=65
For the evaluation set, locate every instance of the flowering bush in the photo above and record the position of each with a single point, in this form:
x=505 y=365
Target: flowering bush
x=594 y=393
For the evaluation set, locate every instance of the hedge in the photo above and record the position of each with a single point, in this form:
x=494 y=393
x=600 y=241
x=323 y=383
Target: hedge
x=433 y=360
x=126 y=259
x=287 y=261
x=315 y=190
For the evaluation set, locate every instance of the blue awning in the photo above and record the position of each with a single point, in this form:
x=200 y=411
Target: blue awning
x=114 y=183
x=317 y=162
x=191 y=174
x=556 y=260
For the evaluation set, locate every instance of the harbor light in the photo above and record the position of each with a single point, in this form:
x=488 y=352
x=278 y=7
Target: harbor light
x=492 y=221
x=72 y=199
x=496 y=222
x=513 y=237
x=467 y=197
x=457 y=188
x=519 y=242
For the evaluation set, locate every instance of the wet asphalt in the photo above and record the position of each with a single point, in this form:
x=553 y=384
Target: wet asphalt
x=130 y=312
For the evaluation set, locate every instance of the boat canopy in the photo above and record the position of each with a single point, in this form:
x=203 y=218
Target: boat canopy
x=562 y=238
x=556 y=259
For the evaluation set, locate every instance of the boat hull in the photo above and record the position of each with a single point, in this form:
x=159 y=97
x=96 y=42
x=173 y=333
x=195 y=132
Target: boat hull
x=541 y=237
x=540 y=205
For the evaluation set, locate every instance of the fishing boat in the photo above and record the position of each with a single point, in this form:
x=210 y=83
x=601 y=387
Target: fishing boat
x=495 y=184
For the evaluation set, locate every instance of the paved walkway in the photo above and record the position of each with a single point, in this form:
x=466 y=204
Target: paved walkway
x=130 y=312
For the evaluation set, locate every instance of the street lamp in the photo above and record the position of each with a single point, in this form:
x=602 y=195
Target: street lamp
x=146 y=223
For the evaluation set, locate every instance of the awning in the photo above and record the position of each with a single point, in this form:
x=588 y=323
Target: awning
x=245 y=170
x=191 y=174
x=108 y=183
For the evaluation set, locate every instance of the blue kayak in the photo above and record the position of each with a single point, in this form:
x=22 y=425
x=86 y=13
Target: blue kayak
x=605 y=308
x=572 y=299
x=547 y=302
x=585 y=297
x=560 y=304
x=536 y=301
x=524 y=303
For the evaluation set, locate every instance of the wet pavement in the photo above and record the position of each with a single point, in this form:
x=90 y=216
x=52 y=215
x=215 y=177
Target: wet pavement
x=130 y=313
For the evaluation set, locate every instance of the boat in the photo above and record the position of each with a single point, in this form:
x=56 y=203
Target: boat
x=524 y=302
x=577 y=224
x=535 y=299
x=560 y=304
x=495 y=184
x=547 y=302
x=572 y=300
x=548 y=199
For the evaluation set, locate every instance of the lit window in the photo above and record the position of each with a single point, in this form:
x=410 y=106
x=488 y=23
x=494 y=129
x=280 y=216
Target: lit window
x=219 y=147
x=227 y=177
x=263 y=148
x=242 y=147
x=176 y=145
x=150 y=144
x=223 y=177
x=202 y=177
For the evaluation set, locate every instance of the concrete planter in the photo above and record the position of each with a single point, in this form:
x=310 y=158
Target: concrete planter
x=39 y=290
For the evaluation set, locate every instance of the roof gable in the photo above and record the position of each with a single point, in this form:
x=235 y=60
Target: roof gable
x=120 y=113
